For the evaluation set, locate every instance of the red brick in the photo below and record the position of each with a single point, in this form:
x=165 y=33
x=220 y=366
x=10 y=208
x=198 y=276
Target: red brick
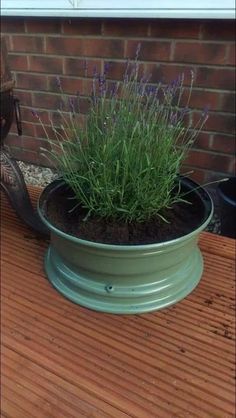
x=196 y=175
x=12 y=25
x=30 y=157
x=203 y=141
x=223 y=143
x=43 y=161
x=116 y=69
x=54 y=117
x=220 y=30
x=201 y=99
x=218 y=122
x=202 y=176
x=28 y=116
x=202 y=53
x=85 y=47
x=43 y=25
x=231 y=56
x=24 y=155
x=30 y=143
x=28 y=129
x=25 y=97
x=214 y=176
x=27 y=44
x=13 y=140
x=68 y=84
x=47 y=100
x=7 y=39
x=46 y=65
x=82 y=67
x=87 y=87
x=82 y=27
x=165 y=73
x=177 y=28
x=45 y=133
x=149 y=50
x=220 y=78
x=210 y=161
x=84 y=105
x=18 y=62
x=53 y=102
x=13 y=129
x=227 y=103
x=132 y=28
x=30 y=81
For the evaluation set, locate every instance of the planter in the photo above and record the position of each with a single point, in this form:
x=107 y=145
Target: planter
x=120 y=278
x=227 y=201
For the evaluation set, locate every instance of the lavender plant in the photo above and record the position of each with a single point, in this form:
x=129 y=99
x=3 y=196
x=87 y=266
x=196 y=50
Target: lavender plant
x=124 y=163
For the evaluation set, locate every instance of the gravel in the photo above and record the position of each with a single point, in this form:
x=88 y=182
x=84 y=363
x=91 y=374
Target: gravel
x=35 y=175
x=41 y=176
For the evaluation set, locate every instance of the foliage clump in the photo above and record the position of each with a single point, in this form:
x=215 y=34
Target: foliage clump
x=124 y=161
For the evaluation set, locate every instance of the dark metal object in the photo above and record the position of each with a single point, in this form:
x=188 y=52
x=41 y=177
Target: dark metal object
x=13 y=184
x=12 y=180
x=18 y=115
x=6 y=113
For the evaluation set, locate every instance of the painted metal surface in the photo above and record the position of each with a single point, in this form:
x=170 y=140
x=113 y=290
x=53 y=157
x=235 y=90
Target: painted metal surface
x=120 y=278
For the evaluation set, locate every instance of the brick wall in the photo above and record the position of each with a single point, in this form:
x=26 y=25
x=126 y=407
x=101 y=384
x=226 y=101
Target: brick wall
x=41 y=49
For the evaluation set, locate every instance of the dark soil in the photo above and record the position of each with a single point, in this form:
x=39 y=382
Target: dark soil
x=183 y=218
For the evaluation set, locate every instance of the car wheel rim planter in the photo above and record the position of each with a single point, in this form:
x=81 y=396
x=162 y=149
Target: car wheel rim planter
x=124 y=279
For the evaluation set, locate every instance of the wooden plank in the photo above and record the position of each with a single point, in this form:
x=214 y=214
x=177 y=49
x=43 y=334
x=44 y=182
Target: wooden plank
x=217 y=244
x=62 y=360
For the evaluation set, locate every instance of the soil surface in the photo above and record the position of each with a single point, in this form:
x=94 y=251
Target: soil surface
x=183 y=218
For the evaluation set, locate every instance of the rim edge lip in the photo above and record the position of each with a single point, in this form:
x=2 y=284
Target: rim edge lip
x=116 y=247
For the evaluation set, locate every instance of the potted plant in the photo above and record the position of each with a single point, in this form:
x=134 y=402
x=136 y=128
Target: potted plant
x=124 y=223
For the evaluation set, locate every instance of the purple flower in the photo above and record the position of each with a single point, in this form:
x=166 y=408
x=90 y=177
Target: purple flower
x=113 y=90
x=174 y=83
x=71 y=105
x=58 y=82
x=102 y=84
x=106 y=68
x=34 y=113
x=93 y=97
x=126 y=78
x=205 y=112
x=138 y=51
x=150 y=90
x=173 y=118
x=184 y=112
x=95 y=72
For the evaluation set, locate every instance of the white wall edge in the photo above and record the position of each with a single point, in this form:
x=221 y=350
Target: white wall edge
x=123 y=13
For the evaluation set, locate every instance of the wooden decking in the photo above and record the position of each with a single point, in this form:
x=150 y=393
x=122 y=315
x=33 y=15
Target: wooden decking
x=60 y=360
